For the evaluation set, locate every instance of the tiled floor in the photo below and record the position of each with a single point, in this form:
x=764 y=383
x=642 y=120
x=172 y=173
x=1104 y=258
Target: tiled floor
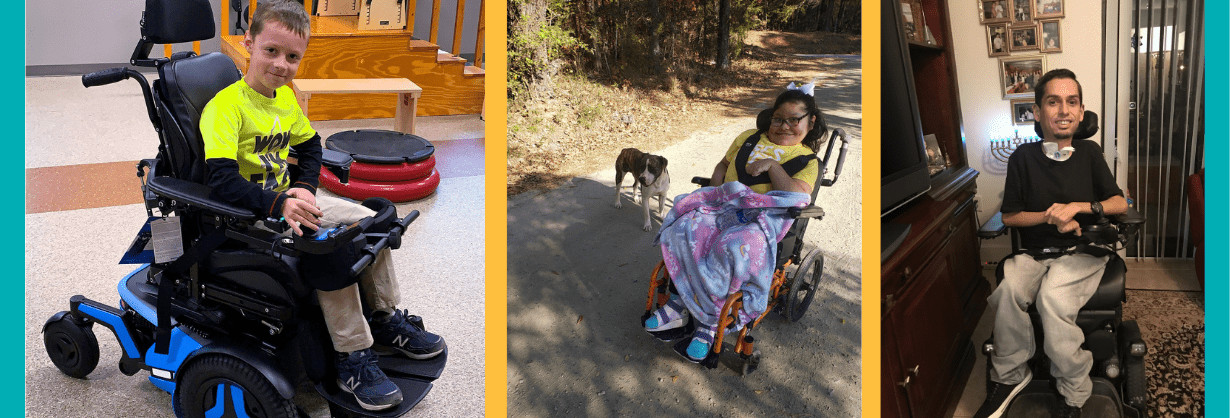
x=83 y=209
x=1177 y=275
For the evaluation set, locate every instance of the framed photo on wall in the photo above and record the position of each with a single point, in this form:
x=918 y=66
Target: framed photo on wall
x=1050 y=40
x=1023 y=112
x=911 y=20
x=1022 y=12
x=1019 y=75
x=1046 y=9
x=997 y=40
x=1024 y=38
x=994 y=11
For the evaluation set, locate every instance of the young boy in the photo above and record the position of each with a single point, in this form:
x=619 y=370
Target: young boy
x=248 y=129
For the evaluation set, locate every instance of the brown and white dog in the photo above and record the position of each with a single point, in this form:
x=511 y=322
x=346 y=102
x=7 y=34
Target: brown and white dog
x=651 y=179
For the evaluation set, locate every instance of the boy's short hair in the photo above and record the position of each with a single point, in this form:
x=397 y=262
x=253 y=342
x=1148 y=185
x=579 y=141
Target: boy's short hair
x=1040 y=89
x=290 y=14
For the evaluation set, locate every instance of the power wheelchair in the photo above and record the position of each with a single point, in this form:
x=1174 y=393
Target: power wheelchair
x=1118 y=374
x=796 y=278
x=218 y=312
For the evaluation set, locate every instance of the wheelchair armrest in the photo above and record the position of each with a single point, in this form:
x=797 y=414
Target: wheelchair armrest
x=338 y=163
x=196 y=195
x=1131 y=217
x=810 y=211
x=994 y=227
x=701 y=181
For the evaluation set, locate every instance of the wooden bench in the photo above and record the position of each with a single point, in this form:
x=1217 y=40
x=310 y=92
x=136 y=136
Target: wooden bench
x=407 y=94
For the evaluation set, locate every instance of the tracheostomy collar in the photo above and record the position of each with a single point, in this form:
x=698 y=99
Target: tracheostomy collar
x=1052 y=151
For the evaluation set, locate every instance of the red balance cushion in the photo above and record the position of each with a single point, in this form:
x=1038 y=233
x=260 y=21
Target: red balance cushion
x=393 y=172
x=403 y=191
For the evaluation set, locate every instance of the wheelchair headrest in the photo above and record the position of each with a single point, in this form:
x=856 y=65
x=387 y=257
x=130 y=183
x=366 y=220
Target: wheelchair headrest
x=175 y=21
x=185 y=87
x=764 y=119
x=1086 y=130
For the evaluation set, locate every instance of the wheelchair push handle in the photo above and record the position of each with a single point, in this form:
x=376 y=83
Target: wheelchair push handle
x=104 y=77
x=838 y=134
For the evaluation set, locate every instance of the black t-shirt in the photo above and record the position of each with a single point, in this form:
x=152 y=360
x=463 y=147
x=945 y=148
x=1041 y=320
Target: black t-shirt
x=1035 y=182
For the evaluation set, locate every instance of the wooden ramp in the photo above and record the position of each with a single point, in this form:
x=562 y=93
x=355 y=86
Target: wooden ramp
x=337 y=49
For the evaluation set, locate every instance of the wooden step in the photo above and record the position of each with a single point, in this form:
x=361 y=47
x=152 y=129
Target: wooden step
x=472 y=71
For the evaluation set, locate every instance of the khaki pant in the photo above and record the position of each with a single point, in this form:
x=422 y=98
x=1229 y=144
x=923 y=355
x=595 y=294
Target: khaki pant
x=342 y=308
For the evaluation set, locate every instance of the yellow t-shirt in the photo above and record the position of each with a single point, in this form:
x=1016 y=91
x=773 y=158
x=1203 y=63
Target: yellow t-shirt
x=255 y=131
x=767 y=149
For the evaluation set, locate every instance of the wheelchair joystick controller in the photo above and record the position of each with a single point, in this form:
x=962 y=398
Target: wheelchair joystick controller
x=326 y=240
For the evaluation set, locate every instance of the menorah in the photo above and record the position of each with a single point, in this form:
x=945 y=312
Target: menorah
x=1002 y=148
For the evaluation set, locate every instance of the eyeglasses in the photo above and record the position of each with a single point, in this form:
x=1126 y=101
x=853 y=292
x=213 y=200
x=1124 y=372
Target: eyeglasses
x=791 y=122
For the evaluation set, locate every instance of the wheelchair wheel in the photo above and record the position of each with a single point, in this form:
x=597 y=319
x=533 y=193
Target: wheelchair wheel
x=73 y=348
x=226 y=386
x=750 y=363
x=804 y=284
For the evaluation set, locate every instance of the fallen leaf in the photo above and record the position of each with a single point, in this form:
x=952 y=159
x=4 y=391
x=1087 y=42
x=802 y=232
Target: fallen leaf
x=674 y=379
x=758 y=391
x=579 y=318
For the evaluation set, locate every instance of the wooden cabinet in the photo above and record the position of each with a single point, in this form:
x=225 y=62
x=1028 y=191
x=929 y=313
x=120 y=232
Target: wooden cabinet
x=933 y=294
x=932 y=289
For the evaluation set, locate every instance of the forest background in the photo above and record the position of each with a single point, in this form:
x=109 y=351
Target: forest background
x=587 y=78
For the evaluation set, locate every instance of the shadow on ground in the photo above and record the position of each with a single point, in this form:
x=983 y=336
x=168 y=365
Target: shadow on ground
x=577 y=283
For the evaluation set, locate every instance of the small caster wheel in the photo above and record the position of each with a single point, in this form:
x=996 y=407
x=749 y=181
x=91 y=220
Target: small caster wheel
x=750 y=363
x=72 y=347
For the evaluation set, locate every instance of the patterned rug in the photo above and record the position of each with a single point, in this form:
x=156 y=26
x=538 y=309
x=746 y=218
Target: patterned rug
x=1172 y=324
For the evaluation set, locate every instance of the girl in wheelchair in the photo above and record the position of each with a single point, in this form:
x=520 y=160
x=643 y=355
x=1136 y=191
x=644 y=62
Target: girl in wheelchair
x=720 y=240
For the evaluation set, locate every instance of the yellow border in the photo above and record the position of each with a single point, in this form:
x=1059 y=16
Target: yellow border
x=871 y=211
x=496 y=144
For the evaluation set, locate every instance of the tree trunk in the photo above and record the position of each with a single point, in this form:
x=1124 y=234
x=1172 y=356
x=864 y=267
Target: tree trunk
x=723 y=44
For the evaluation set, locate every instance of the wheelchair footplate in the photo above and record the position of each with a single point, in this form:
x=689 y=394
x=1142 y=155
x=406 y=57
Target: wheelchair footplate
x=1039 y=399
x=672 y=334
x=429 y=369
x=710 y=361
x=342 y=404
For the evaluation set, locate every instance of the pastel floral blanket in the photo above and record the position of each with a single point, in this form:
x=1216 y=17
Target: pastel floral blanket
x=719 y=240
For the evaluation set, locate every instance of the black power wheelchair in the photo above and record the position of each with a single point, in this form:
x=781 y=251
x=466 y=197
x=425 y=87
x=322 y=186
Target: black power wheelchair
x=796 y=278
x=1119 y=386
x=219 y=314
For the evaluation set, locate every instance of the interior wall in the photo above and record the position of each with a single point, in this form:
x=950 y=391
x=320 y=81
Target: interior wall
x=72 y=32
x=77 y=32
x=986 y=114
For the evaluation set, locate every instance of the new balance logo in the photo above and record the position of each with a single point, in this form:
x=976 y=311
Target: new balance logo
x=400 y=340
x=352 y=383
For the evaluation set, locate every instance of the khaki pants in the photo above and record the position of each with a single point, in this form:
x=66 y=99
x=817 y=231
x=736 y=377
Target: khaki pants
x=342 y=308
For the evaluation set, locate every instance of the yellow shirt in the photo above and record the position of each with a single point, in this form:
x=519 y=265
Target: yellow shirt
x=255 y=131
x=767 y=149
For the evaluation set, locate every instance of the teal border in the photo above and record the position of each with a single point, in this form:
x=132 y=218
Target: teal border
x=1216 y=127
x=12 y=249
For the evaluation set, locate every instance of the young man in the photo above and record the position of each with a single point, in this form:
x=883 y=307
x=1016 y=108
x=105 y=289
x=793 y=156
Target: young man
x=248 y=129
x=1053 y=188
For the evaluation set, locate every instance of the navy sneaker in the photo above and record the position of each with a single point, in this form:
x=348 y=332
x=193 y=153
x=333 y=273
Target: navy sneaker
x=358 y=375
x=404 y=333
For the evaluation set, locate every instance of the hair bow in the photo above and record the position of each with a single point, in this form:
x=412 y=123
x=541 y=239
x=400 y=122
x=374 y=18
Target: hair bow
x=808 y=89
